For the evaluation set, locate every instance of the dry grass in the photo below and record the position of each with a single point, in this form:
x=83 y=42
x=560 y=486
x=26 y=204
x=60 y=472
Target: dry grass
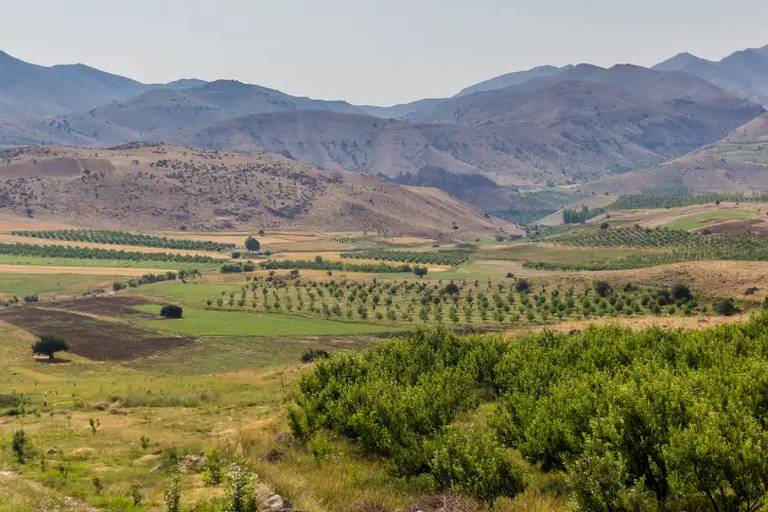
x=86 y=271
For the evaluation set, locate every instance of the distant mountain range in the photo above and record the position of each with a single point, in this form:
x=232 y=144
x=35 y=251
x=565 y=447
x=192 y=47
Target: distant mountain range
x=744 y=72
x=531 y=129
x=29 y=90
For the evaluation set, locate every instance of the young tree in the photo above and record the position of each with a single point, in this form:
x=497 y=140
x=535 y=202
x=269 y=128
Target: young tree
x=602 y=288
x=522 y=286
x=172 y=496
x=20 y=445
x=240 y=496
x=48 y=345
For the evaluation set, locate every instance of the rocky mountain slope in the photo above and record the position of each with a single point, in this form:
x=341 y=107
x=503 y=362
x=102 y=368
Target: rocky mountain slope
x=584 y=123
x=737 y=163
x=168 y=187
x=744 y=72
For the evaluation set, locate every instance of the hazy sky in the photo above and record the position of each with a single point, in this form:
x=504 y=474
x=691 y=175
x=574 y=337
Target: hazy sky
x=365 y=51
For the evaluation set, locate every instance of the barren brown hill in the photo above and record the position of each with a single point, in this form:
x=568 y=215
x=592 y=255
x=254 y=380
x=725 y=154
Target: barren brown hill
x=166 y=187
x=738 y=163
x=584 y=122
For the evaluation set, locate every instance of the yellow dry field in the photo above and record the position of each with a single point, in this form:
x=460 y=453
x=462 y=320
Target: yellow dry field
x=8 y=224
x=711 y=278
x=642 y=322
x=655 y=217
x=86 y=271
x=408 y=240
x=238 y=237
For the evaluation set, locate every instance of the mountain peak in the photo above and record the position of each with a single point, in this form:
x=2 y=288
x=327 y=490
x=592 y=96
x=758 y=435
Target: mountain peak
x=680 y=62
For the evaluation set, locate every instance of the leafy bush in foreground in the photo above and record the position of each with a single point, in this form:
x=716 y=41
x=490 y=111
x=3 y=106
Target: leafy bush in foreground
x=651 y=420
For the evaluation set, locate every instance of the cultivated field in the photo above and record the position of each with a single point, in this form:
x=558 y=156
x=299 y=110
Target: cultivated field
x=138 y=396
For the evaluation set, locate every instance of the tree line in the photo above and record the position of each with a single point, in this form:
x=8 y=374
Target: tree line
x=66 y=251
x=101 y=236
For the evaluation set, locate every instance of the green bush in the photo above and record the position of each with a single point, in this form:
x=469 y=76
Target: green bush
x=48 y=345
x=725 y=307
x=640 y=420
x=171 y=311
x=474 y=463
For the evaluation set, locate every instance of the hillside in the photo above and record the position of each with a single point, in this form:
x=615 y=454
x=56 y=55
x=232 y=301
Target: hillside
x=738 y=163
x=585 y=123
x=166 y=187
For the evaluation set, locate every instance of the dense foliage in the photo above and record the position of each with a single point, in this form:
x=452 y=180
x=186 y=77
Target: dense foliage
x=100 y=236
x=572 y=216
x=648 y=420
x=451 y=257
x=396 y=399
x=66 y=251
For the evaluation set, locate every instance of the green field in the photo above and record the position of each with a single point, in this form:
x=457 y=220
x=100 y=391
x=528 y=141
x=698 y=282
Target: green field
x=224 y=377
x=192 y=294
x=225 y=394
x=700 y=220
x=203 y=322
x=560 y=254
x=45 y=284
x=221 y=354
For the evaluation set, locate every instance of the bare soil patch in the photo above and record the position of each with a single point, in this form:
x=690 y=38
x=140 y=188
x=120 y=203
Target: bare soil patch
x=738 y=226
x=115 y=305
x=91 y=337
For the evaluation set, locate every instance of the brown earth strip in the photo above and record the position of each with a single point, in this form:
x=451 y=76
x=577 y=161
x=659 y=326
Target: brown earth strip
x=89 y=337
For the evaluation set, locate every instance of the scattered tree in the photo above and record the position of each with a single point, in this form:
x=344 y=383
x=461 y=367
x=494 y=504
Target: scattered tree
x=171 y=311
x=48 y=345
x=20 y=446
x=252 y=244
